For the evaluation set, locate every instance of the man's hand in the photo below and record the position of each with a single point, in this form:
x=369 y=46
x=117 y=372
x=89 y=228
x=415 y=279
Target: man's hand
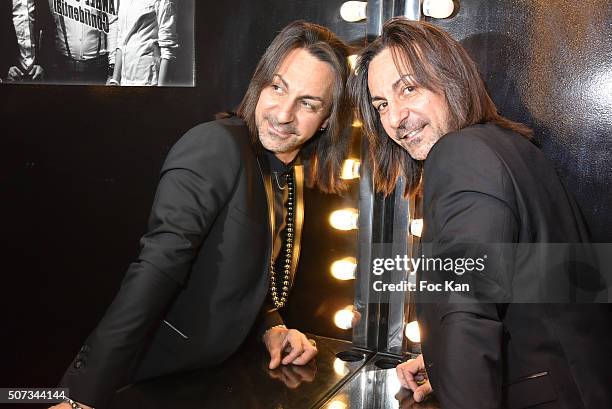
x=67 y=406
x=412 y=375
x=36 y=72
x=14 y=74
x=406 y=401
x=298 y=348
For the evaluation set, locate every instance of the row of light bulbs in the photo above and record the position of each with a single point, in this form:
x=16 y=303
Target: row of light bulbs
x=347 y=219
x=353 y=11
x=344 y=320
x=344 y=269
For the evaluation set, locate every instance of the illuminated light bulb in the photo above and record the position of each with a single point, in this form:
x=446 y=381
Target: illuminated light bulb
x=344 y=269
x=438 y=8
x=412 y=331
x=337 y=404
x=350 y=169
x=357 y=124
x=353 y=11
x=340 y=367
x=352 y=60
x=345 y=219
x=416 y=227
x=344 y=318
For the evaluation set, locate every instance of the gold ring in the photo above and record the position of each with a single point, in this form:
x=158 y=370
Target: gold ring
x=312 y=342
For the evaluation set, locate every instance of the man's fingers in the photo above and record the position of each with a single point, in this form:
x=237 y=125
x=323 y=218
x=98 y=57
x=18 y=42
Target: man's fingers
x=38 y=72
x=412 y=373
x=406 y=372
x=14 y=73
x=310 y=351
x=274 y=362
x=412 y=366
x=275 y=356
x=274 y=339
x=422 y=391
x=402 y=378
x=307 y=351
x=297 y=348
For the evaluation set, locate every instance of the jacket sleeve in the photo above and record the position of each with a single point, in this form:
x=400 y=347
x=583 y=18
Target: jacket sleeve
x=9 y=48
x=197 y=181
x=46 y=27
x=112 y=36
x=469 y=211
x=166 y=21
x=268 y=318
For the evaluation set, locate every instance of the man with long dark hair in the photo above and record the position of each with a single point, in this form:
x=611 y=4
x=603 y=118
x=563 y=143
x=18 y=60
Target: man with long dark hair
x=429 y=119
x=224 y=230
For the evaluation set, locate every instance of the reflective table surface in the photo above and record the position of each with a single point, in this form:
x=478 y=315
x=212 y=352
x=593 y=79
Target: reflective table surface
x=340 y=378
x=244 y=381
x=376 y=386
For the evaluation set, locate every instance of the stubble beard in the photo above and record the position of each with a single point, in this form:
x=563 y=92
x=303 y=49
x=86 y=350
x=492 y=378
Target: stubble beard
x=275 y=143
x=419 y=147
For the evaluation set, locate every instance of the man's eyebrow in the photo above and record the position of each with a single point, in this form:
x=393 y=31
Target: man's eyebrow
x=286 y=85
x=401 y=80
x=313 y=97
x=280 y=77
x=395 y=86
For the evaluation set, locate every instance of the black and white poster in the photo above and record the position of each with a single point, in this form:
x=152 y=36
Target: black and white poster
x=97 y=42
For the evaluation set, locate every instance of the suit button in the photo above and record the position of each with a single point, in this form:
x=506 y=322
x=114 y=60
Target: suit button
x=78 y=363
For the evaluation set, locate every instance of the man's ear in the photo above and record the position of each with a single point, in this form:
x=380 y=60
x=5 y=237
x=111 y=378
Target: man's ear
x=324 y=124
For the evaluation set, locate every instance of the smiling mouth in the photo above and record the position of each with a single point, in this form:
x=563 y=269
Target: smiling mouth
x=277 y=131
x=412 y=134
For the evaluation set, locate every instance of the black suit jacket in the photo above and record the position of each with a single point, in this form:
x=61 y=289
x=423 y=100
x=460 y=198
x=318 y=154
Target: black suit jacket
x=9 y=48
x=485 y=185
x=200 y=280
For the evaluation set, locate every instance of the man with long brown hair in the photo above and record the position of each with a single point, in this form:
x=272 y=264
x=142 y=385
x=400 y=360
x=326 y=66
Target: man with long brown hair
x=224 y=230
x=429 y=119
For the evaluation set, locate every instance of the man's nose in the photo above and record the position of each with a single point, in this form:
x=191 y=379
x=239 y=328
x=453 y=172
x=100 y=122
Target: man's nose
x=397 y=114
x=286 y=111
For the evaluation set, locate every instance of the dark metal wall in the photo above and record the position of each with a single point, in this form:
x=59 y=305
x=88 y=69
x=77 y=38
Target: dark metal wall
x=549 y=64
x=79 y=169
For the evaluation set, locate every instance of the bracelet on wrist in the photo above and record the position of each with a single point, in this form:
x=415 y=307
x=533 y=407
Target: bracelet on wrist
x=271 y=328
x=72 y=403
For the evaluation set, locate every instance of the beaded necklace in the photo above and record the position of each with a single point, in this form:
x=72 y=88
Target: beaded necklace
x=278 y=286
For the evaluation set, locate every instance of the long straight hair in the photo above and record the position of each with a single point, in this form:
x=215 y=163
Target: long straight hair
x=324 y=153
x=436 y=62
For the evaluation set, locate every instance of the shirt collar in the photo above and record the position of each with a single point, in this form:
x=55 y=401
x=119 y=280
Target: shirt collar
x=277 y=166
